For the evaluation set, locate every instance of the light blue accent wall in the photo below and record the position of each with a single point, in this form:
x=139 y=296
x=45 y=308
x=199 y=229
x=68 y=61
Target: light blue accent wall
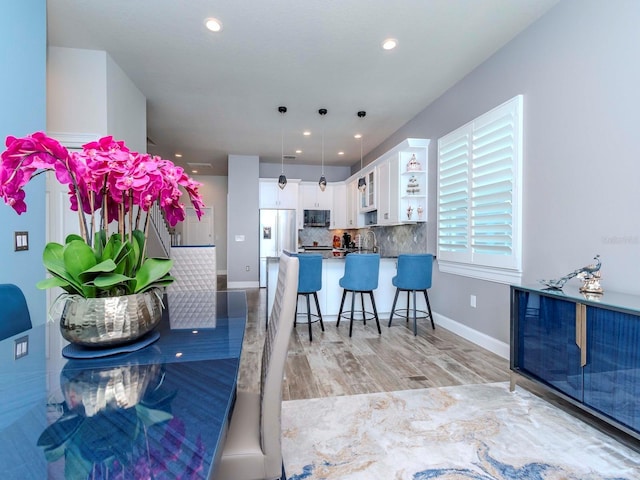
x=23 y=49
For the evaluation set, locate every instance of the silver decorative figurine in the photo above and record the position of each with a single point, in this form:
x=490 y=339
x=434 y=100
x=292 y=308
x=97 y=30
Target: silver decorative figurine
x=590 y=276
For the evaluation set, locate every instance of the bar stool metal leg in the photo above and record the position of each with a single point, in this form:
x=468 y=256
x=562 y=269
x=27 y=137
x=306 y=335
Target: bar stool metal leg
x=309 y=317
x=375 y=312
x=415 y=315
x=344 y=294
x=315 y=296
x=393 y=307
x=426 y=297
x=353 y=302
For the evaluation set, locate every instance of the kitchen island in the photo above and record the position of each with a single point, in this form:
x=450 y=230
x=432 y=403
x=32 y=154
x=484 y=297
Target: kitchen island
x=330 y=295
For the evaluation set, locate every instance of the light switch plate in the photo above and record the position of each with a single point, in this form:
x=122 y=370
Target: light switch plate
x=21 y=347
x=21 y=241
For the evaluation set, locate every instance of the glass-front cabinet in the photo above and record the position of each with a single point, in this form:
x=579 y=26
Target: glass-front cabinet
x=368 y=193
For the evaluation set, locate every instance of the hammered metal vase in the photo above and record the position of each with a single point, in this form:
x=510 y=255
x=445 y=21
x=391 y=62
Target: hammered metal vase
x=90 y=391
x=110 y=321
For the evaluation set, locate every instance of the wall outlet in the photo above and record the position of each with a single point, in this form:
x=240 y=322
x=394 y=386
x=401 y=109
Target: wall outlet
x=472 y=301
x=247 y=268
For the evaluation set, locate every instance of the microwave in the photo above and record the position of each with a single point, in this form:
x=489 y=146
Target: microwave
x=317 y=218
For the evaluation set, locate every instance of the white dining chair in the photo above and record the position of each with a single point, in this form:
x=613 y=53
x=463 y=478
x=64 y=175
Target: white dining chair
x=252 y=450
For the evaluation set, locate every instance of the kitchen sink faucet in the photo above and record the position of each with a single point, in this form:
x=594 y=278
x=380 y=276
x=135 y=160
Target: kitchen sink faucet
x=374 y=247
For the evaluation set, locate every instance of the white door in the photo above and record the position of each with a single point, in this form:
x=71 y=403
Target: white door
x=198 y=232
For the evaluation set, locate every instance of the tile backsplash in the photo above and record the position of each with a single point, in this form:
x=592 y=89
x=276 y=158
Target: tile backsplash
x=391 y=240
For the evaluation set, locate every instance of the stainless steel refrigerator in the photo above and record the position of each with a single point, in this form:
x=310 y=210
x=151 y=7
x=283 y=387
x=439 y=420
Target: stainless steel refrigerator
x=277 y=232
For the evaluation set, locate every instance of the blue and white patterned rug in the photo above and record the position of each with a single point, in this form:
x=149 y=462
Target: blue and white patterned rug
x=478 y=432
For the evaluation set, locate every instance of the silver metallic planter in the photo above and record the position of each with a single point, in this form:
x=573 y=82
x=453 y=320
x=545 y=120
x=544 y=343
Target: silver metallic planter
x=110 y=321
x=93 y=390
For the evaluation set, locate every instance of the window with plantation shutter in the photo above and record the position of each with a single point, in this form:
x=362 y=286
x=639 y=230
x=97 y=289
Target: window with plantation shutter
x=479 y=196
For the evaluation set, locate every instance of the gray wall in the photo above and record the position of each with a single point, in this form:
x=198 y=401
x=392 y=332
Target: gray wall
x=22 y=97
x=579 y=72
x=242 y=219
x=305 y=172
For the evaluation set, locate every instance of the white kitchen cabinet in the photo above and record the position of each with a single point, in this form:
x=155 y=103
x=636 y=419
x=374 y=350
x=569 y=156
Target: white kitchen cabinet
x=368 y=196
x=353 y=214
x=312 y=198
x=388 y=187
x=271 y=196
x=339 y=212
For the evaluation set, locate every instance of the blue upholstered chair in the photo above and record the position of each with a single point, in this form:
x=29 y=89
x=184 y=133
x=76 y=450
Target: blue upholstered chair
x=309 y=283
x=414 y=275
x=360 y=276
x=14 y=313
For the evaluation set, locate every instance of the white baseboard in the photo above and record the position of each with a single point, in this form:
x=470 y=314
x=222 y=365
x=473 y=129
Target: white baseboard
x=233 y=285
x=482 y=339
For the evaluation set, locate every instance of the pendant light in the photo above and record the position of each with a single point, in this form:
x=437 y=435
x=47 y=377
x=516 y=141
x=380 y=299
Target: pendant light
x=322 y=183
x=282 y=180
x=362 y=182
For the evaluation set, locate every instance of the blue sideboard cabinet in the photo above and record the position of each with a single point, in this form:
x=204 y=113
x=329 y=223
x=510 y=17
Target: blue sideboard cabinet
x=585 y=348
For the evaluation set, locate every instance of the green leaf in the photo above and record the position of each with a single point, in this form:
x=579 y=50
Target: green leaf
x=108 y=280
x=51 y=282
x=71 y=237
x=99 y=242
x=108 y=266
x=79 y=257
x=163 y=282
x=53 y=261
x=151 y=271
x=140 y=240
x=124 y=260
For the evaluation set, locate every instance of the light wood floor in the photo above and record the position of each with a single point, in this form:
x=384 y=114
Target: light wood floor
x=334 y=364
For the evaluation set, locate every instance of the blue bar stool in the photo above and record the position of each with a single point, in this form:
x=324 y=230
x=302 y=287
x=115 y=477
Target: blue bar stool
x=360 y=276
x=414 y=275
x=309 y=283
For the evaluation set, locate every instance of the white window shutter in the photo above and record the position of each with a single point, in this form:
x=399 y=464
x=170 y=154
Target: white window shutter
x=489 y=206
x=453 y=194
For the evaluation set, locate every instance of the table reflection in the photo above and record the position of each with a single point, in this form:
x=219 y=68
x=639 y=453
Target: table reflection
x=160 y=412
x=116 y=421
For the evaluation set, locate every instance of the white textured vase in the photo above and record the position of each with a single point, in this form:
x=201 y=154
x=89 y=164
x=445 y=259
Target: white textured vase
x=110 y=321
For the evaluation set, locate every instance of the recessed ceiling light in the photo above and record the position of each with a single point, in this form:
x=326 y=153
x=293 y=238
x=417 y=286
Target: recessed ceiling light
x=306 y=133
x=178 y=155
x=390 y=44
x=340 y=153
x=194 y=171
x=213 y=24
x=298 y=151
x=357 y=135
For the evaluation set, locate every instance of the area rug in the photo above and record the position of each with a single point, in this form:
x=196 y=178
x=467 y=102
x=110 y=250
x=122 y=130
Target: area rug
x=479 y=432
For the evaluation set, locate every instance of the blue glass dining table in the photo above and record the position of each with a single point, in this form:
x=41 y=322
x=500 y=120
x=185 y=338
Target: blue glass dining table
x=160 y=412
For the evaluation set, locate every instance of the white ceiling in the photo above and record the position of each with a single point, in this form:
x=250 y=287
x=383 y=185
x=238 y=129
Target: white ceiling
x=210 y=95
